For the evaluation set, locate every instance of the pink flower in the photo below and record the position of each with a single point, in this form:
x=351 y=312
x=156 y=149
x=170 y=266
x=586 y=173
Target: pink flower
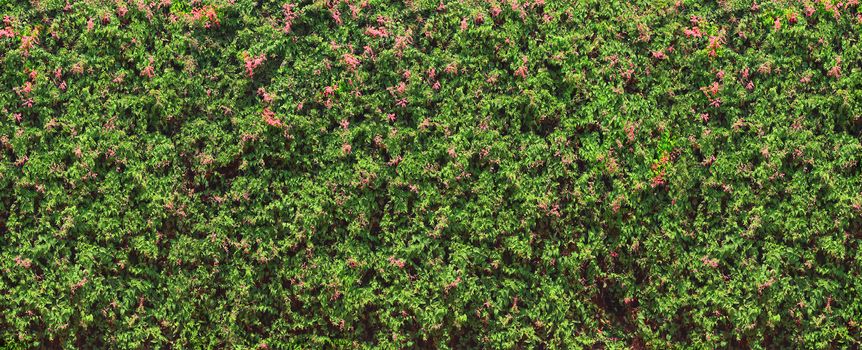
x=715 y=88
x=395 y=161
x=777 y=24
x=695 y=20
x=658 y=180
x=464 y=23
x=401 y=103
x=401 y=43
x=693 y=32
x=749 y=86
x=809 y=11
x=28 y=41
x=63 y=85
x=207 y=12
x=336 y=15
x=7 y=33
x=148 y=71
x=521 y=72
x=715 y=103
x=289 y=16
x=351 y=61
x=834 y=72
x=252 y=62
x=627 y=74
x=451 y=68
x=122 y=11
x=270 y=118
x=396 y=262
x=264 y=95
x=714 y=44
x=329 y=90
x=709 y=262
x=495 y=11
x=659 y=55
x=346 y=148
x=25 y=263
x=376 y=32
x=436 y=85
x=492 y=79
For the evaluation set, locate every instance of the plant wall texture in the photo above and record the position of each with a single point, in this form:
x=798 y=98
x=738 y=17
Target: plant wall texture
x=261 y=174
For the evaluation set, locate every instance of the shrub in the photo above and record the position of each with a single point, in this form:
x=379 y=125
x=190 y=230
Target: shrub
x=426 y=174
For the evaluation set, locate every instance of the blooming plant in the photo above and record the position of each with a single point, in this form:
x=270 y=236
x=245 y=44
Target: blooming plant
x=274 y=174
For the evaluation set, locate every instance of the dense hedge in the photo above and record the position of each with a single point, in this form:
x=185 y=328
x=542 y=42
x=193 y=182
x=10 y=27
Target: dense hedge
x=390 y=174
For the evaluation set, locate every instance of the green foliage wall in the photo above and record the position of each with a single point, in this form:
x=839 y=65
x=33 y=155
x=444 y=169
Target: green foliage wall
x=424 y=174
